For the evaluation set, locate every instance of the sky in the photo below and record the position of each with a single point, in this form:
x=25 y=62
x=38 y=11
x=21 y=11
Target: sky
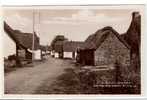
x=74 y=24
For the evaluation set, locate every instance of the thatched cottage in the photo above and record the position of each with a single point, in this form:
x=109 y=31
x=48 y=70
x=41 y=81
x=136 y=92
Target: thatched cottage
x=57 y=46
x=103 y=48
x=24 y=42
x=70 y=48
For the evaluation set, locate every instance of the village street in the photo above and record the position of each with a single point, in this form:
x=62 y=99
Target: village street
x=70 y=51
x=26 y=80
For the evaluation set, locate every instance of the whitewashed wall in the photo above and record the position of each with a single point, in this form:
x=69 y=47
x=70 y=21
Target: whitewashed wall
x=56 y=55
x=52 y=53
x=9 y=46
x=67 y=54
x=37 y=54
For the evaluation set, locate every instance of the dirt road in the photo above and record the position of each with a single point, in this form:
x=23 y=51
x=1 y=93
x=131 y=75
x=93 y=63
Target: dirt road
x=26 y=80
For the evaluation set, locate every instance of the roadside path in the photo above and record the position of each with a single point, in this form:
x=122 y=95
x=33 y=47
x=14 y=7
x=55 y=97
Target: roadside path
x=26 y=80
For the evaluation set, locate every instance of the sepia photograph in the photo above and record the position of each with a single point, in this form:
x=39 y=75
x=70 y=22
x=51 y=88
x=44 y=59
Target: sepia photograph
x=72 y=49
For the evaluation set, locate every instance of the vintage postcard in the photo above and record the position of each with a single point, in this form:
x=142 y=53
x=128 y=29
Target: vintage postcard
x=72 y=49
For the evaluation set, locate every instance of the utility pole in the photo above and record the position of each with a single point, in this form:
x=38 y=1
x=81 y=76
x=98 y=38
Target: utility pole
x=33 y=19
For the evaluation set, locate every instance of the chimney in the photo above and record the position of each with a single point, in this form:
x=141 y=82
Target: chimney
x=135 y=14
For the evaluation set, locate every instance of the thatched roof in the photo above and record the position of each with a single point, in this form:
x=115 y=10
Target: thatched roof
x=72 y=46
x=10 y=32
x=95 y=40
x=24 y=40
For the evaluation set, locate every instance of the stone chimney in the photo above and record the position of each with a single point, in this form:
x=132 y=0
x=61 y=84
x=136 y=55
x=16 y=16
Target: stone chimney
x=135 y=14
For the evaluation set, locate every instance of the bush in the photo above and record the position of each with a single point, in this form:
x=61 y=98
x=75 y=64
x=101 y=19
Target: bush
x=11 y=57
x=11 y=63
x=126 y=74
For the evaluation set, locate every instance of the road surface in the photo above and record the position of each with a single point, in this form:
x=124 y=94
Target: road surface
x=26 y=80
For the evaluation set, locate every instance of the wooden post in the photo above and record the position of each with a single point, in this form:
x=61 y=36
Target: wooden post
x=33 y=36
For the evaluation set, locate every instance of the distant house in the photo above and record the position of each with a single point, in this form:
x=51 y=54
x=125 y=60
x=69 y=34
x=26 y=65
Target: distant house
x=57 y=46
x=103 y=48
x=70 y=48
x=45 y=50
x=52 y=53
x=49 y=49
x=58 y=49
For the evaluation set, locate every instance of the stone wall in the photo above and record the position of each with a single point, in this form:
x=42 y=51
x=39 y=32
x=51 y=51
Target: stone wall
x=21 y=53
x=112 y=50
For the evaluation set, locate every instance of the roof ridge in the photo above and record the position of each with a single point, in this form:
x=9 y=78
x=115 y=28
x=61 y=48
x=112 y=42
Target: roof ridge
x=120 y=38
x=100 y=35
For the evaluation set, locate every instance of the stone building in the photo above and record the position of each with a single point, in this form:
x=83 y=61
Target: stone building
x=105 y=47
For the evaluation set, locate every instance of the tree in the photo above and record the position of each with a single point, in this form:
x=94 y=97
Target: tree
x=57 y=38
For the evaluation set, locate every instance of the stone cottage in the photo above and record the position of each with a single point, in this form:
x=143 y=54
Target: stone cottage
x=105 y=47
